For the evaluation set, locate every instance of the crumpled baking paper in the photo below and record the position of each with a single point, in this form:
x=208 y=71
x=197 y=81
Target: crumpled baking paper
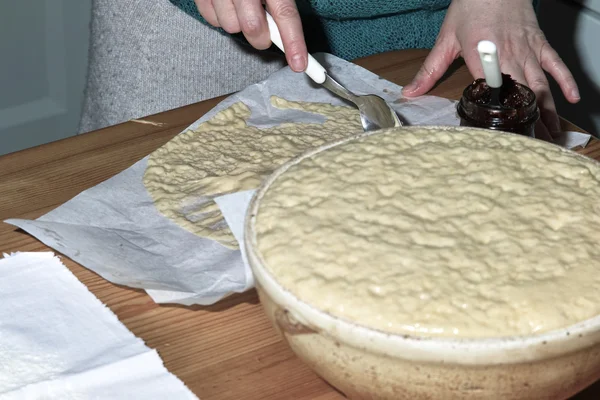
x=115 y=230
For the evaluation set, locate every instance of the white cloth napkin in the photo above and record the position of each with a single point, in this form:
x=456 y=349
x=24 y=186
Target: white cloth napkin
x=58 y=341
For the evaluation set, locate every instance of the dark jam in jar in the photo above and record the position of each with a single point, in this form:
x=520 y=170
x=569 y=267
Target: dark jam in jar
x=517 y=112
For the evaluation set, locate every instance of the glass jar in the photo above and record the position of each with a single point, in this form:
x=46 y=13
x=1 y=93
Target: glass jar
x=518 y=111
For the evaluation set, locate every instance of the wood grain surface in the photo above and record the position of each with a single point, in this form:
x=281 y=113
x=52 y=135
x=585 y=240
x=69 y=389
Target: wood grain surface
x=226 y=351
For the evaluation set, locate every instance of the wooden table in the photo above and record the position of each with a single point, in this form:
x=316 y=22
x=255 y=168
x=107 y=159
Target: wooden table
x=226 y=351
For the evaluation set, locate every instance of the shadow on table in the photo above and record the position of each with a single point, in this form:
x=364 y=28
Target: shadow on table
x=249 y=297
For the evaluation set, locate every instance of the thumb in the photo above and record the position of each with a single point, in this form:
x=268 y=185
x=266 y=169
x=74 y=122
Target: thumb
x=434 y=67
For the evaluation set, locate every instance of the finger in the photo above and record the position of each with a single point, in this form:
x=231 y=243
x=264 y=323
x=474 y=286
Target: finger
x=227 y=15
x=518 y=74
x=206 y=9
x=536 y=80
x=435 y=65
x=473 y=62
x=551 y=62
x=251 y=17
x=514 y=70
x=288 y=21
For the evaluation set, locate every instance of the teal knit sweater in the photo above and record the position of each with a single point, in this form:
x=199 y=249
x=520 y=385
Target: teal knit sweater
x=356 y=28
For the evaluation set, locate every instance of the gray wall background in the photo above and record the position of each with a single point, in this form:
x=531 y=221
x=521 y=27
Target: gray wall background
x=43 y=60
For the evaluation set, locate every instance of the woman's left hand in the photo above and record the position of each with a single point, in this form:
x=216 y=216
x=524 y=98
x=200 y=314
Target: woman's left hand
x=523 y=51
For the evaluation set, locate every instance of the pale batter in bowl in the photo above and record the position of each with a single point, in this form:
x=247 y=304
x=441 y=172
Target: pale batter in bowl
x=446 y=233
x=434 y=263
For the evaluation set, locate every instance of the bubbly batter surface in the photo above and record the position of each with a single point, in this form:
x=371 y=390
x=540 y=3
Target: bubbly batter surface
x=226 y=155
x=439 y=233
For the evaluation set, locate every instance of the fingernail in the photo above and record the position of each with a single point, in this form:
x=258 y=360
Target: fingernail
x=575 y=94
x=411 y=87
x=298 y=63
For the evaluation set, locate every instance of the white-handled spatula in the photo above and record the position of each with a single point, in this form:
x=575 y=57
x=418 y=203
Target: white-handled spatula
x=375 y=113
x=488 y=54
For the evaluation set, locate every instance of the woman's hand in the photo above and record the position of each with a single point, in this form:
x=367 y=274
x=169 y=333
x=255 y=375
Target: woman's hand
x=248 y=17
x=523 y=51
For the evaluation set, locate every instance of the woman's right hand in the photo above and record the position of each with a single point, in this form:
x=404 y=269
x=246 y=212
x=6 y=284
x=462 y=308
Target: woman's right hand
x=248 y=17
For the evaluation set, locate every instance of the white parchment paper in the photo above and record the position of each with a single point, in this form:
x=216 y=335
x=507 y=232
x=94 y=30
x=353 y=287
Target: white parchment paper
x=115 y=230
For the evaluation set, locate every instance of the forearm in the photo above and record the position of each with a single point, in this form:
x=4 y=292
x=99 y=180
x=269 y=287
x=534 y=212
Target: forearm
x=534 y=2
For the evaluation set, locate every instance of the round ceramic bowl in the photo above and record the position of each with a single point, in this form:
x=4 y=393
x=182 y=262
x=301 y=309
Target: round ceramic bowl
x=364 y=363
